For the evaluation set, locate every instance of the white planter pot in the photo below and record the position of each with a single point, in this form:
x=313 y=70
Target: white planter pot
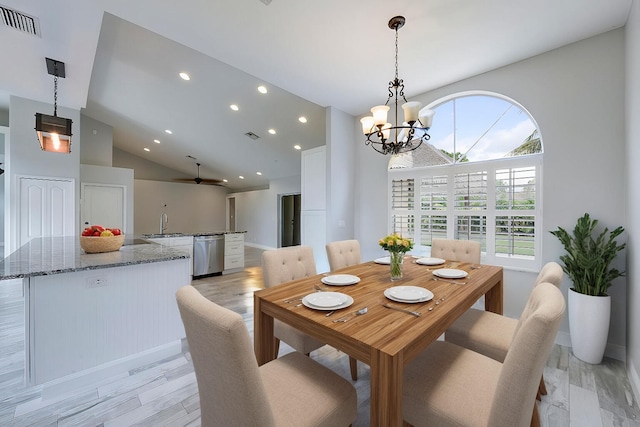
x=589 y=318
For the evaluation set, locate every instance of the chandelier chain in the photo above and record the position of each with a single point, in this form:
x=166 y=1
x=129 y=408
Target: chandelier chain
x=396 y=53
x=55 y=96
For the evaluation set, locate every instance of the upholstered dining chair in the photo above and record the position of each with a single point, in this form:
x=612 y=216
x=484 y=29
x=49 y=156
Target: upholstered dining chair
x=449 y=385
x=234 y=391
x=456 y=250
x=284 y=265
x=343 y=253
x=491 y=334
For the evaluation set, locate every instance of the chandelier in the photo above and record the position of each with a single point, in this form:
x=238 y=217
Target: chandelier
x=388 y=138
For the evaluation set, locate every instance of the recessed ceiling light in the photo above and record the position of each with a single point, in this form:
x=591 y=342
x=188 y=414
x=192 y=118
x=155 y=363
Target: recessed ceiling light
x=262 y=89
x=168 y=131
x=234 y=107
x=272 y=131
x=146 y=149
x=241 y=177
x=297 y=147
x=302 y=119
x=258 y=173
x=157 y=141
x=225 y=180
x=184 y=76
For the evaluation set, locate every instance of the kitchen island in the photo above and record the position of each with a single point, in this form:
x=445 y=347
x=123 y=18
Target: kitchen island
x=97 y=314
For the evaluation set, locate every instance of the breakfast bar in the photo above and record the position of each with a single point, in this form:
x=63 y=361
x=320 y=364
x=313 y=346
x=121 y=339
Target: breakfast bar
x=96 y=313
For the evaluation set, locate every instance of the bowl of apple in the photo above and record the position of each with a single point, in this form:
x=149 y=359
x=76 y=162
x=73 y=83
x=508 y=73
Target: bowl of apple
x=96 y=239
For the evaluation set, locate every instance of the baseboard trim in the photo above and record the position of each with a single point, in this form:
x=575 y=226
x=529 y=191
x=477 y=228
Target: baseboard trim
x=634 y=380
x=613 y=351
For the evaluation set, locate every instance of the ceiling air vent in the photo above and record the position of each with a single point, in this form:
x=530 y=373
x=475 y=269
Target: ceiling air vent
x=267 y=2
x=19 y=21
x=252 y=135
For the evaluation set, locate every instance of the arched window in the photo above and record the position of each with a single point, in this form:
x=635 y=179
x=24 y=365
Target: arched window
x=478 y=179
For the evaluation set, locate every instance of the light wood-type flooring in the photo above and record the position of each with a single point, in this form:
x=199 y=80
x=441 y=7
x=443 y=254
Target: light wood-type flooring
x=165 y=393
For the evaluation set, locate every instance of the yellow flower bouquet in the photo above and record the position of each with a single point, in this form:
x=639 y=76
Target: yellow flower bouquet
x=397 y=247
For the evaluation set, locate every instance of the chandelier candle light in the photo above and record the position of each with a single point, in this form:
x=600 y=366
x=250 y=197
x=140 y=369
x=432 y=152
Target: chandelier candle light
x=397 y=247
x=407 y=136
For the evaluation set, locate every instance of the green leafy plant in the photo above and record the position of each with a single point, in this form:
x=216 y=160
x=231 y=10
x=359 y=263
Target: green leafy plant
x=587 y=261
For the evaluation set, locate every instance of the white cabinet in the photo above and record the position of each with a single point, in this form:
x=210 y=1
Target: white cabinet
x=233 y=251
x=183 y=243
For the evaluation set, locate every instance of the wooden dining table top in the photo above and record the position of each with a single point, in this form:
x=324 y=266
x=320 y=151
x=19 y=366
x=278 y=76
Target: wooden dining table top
x=383 y=338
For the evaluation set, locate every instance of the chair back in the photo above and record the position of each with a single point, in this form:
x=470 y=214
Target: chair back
x=551 y=272
x=523 y=366
x=287 y=264
x=343 y=253
x=456 y=250
x=229 y=383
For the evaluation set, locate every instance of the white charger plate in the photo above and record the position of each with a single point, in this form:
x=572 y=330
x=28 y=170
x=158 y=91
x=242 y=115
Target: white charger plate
x=318 y=301
x=385 y=260
x=340 y=280
x=430 y=261
x=450 y=273
x=408 y=294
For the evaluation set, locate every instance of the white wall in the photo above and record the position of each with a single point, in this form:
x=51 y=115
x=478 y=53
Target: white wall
x=257 y=212
x=341 y=149
x=576 y=95
x=27 y=158
x=97 y=142
x=191 y=208
x=632 y=89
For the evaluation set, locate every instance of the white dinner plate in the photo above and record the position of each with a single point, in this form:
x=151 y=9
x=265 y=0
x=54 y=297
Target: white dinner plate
x=430 y=261
x=340 y=280
x=450 y=273
x=319 y=299
x=409 y=294
x=384 y=260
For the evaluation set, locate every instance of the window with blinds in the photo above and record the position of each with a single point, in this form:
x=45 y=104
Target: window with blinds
x=478 y=178
x=489 y=203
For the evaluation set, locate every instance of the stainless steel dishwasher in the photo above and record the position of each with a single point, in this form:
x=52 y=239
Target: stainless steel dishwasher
x=208 y=255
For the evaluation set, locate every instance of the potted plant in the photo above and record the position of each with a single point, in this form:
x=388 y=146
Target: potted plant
x=588 y=264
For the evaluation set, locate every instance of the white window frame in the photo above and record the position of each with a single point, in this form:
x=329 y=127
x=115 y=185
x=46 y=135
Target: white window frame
x=491 y=166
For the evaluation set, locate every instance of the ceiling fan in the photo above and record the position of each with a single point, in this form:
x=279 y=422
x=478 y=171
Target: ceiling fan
x=199 y=180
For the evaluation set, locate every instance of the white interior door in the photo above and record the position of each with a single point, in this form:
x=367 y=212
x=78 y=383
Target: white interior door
x=47 y=208
x=103 y=205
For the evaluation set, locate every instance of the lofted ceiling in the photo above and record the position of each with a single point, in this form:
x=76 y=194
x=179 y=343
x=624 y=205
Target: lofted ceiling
x=123 y=59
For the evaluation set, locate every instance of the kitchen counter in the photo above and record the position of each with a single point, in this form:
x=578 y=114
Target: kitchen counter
x=56 y=255
x=90 y=315
x=208 y=233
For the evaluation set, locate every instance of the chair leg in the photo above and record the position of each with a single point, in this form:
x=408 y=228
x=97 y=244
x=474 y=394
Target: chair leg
x=542 y=388
x=535 y=416
x=353 y=367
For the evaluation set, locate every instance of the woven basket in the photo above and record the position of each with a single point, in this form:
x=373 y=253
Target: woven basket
x=94 y=245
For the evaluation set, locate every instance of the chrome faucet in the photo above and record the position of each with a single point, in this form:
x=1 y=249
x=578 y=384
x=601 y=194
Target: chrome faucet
x=164 y=219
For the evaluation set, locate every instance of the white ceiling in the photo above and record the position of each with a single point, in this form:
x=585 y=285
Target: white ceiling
x=123 y=57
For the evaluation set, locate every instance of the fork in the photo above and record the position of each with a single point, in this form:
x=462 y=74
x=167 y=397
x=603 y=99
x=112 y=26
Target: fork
x=415 y=313
x=346 y=318
x=449 y=281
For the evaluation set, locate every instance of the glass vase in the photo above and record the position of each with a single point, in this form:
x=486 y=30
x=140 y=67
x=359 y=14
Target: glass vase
x=395 y=265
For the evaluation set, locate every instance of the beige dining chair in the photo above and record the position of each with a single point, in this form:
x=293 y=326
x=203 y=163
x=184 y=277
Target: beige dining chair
x=234 y=391
x=491 y=334
x=284 y=265
x=343 y=253
x=449 y=385
x=456 y=250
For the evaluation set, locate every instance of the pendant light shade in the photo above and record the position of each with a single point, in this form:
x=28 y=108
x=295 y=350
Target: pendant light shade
x=54 y=133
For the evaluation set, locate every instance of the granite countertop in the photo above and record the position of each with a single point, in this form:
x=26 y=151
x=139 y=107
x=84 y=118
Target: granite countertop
x=55 y=255
x=207 y=233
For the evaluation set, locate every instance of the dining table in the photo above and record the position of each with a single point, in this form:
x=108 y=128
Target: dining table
x=384 y=338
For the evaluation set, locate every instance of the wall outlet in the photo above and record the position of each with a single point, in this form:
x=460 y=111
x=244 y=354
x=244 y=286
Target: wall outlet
x=96 y=282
